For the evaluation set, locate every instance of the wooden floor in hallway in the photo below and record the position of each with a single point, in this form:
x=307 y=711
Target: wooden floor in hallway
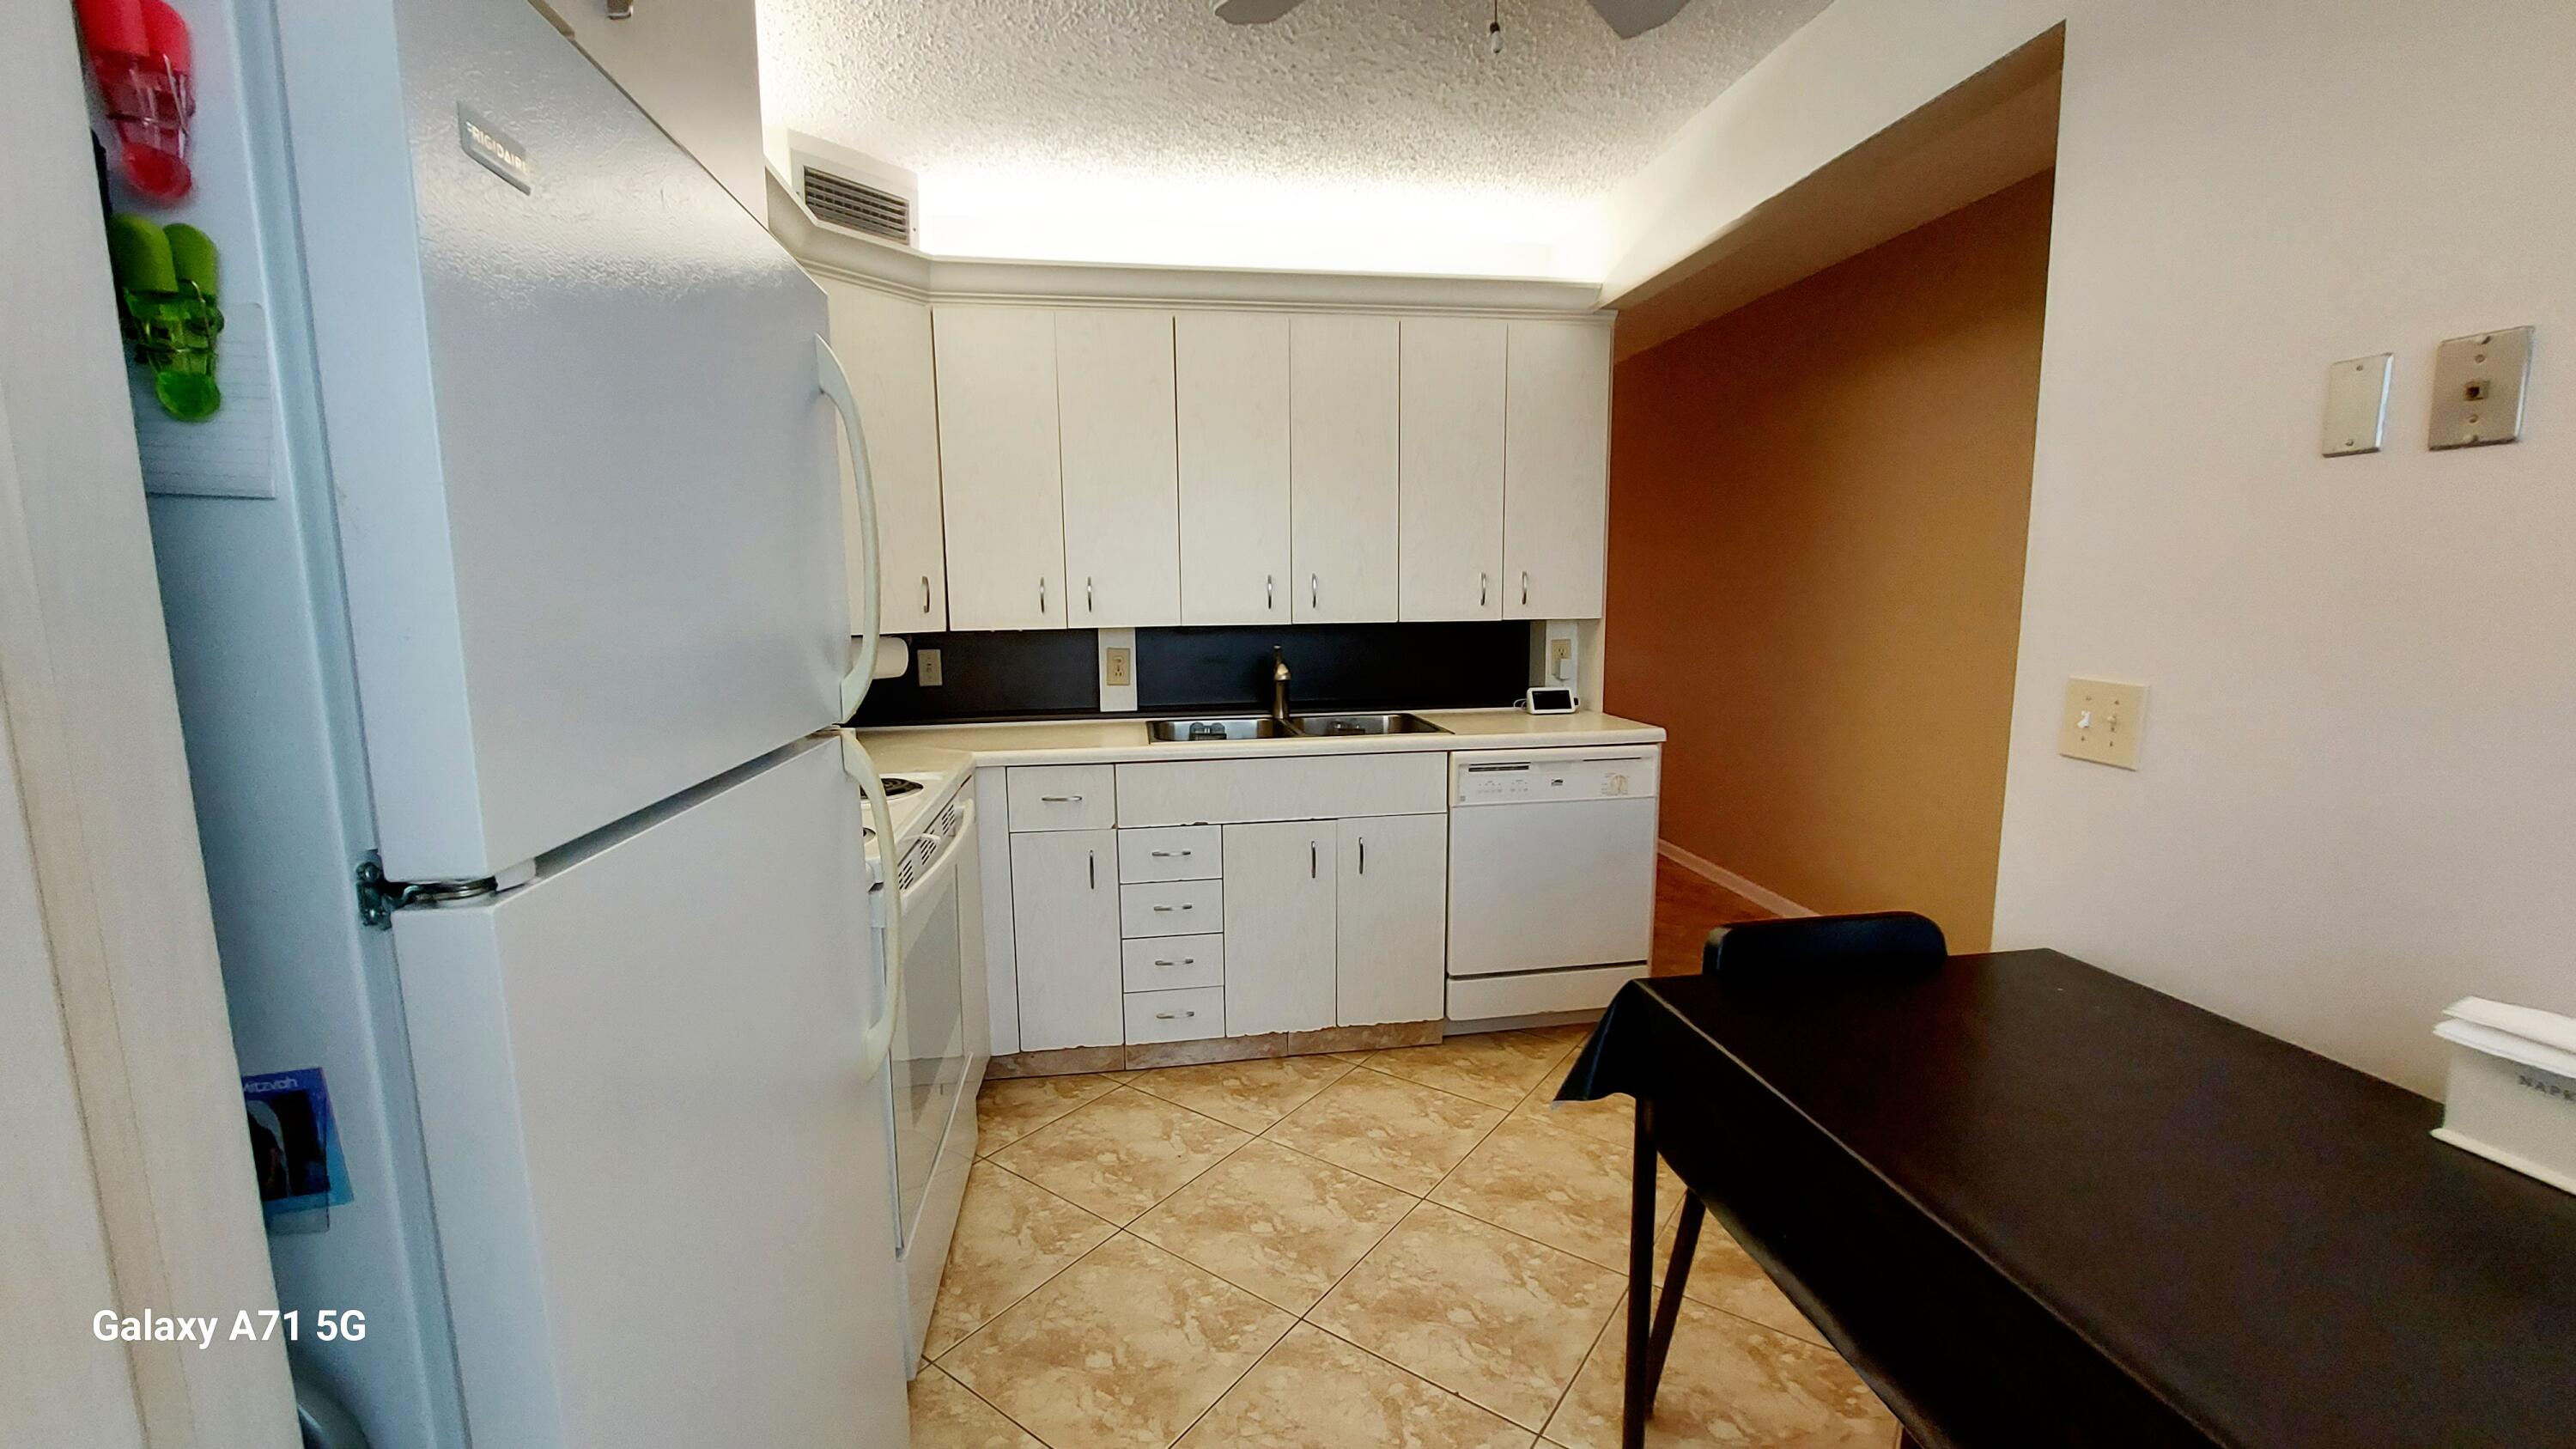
x=1688 y=906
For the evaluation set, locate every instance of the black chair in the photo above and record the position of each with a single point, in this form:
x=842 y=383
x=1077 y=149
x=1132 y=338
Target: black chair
x=1778 y=953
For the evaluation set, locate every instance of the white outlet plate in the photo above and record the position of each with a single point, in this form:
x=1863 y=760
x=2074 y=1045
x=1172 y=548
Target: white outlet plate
x=2478 y=383
x=925 y=667
x=2103 y=722
x=1117 y=671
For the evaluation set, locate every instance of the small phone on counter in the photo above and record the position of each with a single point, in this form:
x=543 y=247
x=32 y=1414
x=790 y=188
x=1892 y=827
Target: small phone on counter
x=1548 y=699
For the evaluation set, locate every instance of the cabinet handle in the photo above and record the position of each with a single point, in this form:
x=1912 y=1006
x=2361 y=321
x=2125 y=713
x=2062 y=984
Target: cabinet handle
x=1184 y=961
x=1041 y=596
x=1525 y=588
x=1095 y=868
x=1363 y=855
x=1168 y=854
x=1091 y=603
x=1314 y=859
x=1059 y=799
x=1314 y=591
x=1176 y=1016
x=925 y=593
x=1269 y=592
x=1169 y=909
x=1483 y=582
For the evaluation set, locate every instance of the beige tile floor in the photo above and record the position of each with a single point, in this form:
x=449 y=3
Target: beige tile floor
x=1403 y=1248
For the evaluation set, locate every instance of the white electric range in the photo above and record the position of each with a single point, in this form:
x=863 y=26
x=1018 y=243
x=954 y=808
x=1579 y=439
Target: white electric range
x=941 y=1041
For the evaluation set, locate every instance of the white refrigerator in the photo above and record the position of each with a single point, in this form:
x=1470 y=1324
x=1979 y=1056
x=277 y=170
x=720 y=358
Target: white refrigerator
x=556 y=623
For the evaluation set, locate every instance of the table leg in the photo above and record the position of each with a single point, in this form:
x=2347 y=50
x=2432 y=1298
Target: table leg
x=1676 y=1276
x=1639 y=1382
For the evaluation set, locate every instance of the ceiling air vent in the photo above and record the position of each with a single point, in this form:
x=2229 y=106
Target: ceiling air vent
x=858 y=206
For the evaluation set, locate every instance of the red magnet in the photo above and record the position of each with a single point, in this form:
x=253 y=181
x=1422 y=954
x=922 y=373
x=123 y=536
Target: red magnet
x=141 y=59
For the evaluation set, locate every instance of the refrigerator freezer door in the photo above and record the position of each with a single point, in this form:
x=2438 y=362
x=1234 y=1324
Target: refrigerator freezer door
x=660 y=1182
x=588 y=498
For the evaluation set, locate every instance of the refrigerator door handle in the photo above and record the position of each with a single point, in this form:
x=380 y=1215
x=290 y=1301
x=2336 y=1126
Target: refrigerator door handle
x=878 y=1039
x=835 y=384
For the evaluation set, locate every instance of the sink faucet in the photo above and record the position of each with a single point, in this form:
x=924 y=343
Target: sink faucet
x=1279 y=688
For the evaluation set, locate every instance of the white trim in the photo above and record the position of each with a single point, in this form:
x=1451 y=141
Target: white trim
x=1769 y=900
x=101 y=785
x=921 y=277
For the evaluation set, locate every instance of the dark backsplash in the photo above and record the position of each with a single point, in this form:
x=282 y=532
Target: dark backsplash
x=1055 y=673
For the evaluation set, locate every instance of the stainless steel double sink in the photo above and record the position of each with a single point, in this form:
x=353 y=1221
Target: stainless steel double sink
x=1262 y=727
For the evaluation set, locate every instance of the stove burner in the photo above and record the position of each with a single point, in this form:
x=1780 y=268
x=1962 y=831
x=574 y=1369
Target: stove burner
x=897 y=785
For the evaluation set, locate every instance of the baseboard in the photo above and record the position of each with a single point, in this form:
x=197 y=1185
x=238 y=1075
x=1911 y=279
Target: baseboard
x=1768 y=900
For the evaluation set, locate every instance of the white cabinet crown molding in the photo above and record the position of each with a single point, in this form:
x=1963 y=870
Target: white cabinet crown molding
x=924 y=277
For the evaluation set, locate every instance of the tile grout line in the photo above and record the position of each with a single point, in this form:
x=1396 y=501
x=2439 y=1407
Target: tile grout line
x=1051 y=1277
x=998 y=1411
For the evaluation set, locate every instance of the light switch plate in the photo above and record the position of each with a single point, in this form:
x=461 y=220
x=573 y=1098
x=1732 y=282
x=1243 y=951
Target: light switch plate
x=2356 y=406
x=925 y=667
x=2102 y=722
x=2477 y=389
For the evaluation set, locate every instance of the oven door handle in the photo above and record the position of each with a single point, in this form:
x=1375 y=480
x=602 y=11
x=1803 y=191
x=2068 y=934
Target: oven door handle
x=877 y=1042
x=944 y=866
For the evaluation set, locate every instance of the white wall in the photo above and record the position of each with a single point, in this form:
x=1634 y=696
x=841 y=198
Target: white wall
x=2352 y=809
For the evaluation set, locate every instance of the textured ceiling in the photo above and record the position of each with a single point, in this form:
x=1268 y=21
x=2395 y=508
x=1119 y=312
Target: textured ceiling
x=1036 y=125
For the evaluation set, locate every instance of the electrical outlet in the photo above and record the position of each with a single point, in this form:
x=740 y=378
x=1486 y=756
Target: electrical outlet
x=1118 y=667
x=1560 y=660
x=925 y=664
x=2103 y=722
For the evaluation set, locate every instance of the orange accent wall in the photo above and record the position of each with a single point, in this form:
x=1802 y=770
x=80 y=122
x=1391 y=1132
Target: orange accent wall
x=1818 y=510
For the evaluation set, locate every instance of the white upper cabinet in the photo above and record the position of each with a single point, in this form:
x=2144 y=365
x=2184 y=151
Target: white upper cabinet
x=1002 y=487
x=1449 y=462
x=1342 y=443
x=1122 y=520
x=1233 y=377
x=1556 y=470
x=884 y=343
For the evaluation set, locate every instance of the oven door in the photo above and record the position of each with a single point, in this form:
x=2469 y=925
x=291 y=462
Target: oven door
x=927 y=1069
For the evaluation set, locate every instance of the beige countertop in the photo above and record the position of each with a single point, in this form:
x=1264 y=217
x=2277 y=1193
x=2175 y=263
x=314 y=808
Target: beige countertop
x=1098 y=741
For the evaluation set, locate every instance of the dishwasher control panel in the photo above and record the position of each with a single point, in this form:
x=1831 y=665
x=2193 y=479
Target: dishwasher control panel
x=1535 y=777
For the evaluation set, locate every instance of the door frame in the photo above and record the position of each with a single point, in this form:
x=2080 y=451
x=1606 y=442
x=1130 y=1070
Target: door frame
x=135 y=1166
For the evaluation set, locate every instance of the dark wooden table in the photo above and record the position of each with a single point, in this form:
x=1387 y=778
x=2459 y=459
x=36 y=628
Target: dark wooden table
x=2037 y=1204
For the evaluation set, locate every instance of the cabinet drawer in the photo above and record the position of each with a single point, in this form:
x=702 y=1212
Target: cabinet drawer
x=1175 y=1015
x=1165 y=963
x=1063 y=797
x=1171 y=908
x=1180 y=852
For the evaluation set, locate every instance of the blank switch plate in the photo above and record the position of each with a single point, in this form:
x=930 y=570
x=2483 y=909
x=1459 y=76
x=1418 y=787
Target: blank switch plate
x=2477 y=389
x=2102 y=722
x=2356 y=406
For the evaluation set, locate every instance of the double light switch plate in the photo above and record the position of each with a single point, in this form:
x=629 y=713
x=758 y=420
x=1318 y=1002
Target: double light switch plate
x=2102 y=722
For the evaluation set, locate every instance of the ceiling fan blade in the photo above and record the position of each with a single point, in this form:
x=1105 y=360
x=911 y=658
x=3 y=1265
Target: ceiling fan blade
x=1253 y=12
x=1632 y=18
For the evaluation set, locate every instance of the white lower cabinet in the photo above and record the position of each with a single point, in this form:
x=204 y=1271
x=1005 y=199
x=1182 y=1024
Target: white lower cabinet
x=1392 y=919
x=1211 y=916
x=1064 y=918
x=1280 y=941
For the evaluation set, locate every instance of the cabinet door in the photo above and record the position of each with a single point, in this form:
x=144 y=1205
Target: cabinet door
x=1233 y=393
x=1001 y=484
x=884 y=341
x=1122 y=514
x=1393 y=919
x=1342 y=443
x=1449 y=467
x=1064 y=917
x=1556 y=470
x=1279 y=942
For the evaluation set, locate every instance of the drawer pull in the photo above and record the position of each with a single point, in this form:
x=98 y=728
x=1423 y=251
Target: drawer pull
x=1168 y=854
x=1169 y=909
x=1184 y=961
x=1175 y=1016
x=1059 y=799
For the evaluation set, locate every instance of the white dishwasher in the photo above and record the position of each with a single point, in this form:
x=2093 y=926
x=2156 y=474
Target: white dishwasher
x=1551 y=877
